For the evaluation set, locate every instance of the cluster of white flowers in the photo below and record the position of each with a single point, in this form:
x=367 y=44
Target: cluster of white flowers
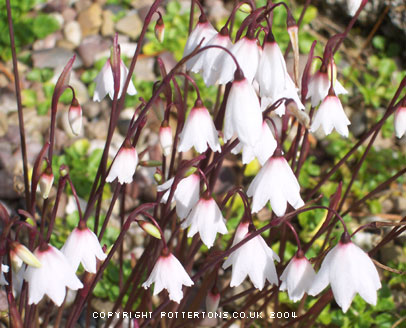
x=48 y=270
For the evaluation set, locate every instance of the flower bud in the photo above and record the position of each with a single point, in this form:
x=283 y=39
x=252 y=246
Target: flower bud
x=294 y=40
x=400 y=121
x=45 y=182
x=150 y=229
x=212 y=300
x=165 y=138
x=245 y=8
x=24 y=254
x=158 y=176
x=160 y=29
x=75 y=117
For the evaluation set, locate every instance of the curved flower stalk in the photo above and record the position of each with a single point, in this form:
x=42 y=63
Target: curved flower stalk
x=124 y=165
x=277 y=183
x=254 y=259
x=202 y=33
x=199 y=131
x=82 y=246
x=243 y=113
x=105 y=82
x=331 y=116
x=52 y=277
x=186 y=194
x=168 y=273
x=349 y=270
x=205 y=218
x=297 y=277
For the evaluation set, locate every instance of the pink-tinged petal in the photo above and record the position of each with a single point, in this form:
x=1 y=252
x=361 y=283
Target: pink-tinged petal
x=400 y=122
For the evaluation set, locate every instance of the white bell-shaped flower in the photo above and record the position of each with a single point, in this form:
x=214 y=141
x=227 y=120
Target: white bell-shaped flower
x=124 y=165
x=165 y=139
x=199 y=131
x=247 y=53
x=82 y=246
x=272 y=72
x=400 y=121
x=254 y=259
x=75 y=117
x=349 y=270
x=353 y=6
x=262 y=150
x=105 y=82
x=319 y=85
x=331 y=115
x=168 y=273
x=277 y=183
x=297 y=277
x=202 y=33
x=4 y=268
x=243 y=115
x=214 y=59
x=207 y=219
x=186 y=194
x=52 y=278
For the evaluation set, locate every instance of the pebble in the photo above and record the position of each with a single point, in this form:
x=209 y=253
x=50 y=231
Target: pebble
x=130 y=25
x=73 y=33
x=91 y=47
x=107 y=27
x=90 y=20
x=54 y=58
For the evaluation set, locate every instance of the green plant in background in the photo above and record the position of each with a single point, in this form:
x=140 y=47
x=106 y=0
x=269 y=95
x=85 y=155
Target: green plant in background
x=82 y=167
x=27 y=28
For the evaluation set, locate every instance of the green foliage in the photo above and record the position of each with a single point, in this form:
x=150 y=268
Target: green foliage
x=27 y=28
x=82 y=166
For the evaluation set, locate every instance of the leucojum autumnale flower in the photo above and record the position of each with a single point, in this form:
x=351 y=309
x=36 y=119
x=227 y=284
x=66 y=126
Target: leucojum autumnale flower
x=233 y=166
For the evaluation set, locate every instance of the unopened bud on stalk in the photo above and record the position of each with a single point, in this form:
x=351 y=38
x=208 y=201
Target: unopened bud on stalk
x=150 y=229
x=24 y=254
x=165 y=138
x=293 y=31
x=190 y=171
x=160 y=29
x=245 y=8
x=150 y=163
x=75 y=116
x=212 y=300
x=45 y=182
x=64 y=170
x=158 y=176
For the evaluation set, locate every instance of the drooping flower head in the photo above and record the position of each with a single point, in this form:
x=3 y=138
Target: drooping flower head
x=199 y=131
x=168 y=273
x=254 y=259
x=331 y=115
x=214 y=59
x=165 y=138
x=205 y=218
x=349 y=270
x=186 y=194
x=202 y=33
x=75 y=117
x=400 y=121
x=46 y=181
x=113 y=71
x=82 y=246
x=247 y=54
x=243 y=115
x=52 y=278
x=277 y=184
x=124 y=164
x=297 y=277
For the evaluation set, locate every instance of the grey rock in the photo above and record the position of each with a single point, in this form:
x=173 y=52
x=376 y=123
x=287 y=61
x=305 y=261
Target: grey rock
x=107 y=27
x=91 y=47
x=144 y=69
x=54 y=58
x=73 y=33
x=130 y=25
x=8 y=101
x=7 y=190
